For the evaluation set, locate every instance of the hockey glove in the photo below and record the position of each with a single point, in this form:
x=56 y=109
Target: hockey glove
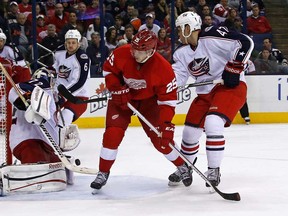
x=231 y=73
x=167 y=131
x=32 y=117
x=18 y=103
x=121 y=96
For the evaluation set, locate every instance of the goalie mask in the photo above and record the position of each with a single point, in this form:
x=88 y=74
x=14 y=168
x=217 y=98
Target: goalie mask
x=46 y=74
x=143 y=45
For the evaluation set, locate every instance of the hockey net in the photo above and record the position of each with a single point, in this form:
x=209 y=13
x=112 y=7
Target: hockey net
x=5 y=117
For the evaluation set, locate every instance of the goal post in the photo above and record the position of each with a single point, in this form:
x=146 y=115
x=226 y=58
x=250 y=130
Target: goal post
x=5 y=117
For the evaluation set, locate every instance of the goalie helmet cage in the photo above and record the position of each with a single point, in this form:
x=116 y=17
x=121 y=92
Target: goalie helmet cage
x=5 y=118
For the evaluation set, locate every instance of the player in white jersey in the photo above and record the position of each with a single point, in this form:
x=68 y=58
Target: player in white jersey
x=20 y=71
x=72 y=66
x=210 y=54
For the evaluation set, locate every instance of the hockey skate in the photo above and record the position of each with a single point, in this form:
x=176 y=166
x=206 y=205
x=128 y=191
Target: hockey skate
x=100 y=180
x=183 y=173
x=213 y=175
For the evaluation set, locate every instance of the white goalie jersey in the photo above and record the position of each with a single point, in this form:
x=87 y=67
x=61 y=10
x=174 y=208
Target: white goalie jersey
x=25 y=130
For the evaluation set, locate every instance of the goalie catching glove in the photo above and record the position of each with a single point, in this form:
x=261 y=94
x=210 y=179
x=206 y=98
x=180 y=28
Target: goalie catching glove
x=121 y=96
x=231 y=73
x=69 y=137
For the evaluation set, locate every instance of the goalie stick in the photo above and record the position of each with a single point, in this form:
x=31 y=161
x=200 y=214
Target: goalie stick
x=67 y=94
x=55 y=146
x=227 y=196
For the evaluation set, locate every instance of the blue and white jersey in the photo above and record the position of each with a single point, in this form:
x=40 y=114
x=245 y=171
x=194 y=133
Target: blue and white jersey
x=72 y=71
x=216 y=46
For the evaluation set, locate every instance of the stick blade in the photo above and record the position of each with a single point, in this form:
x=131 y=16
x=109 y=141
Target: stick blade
x=65 y=92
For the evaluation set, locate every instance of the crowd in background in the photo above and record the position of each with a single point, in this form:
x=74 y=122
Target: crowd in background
x=124 y=18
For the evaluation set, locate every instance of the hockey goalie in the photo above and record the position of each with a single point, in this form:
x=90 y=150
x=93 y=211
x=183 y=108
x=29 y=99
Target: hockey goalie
x=41 y=169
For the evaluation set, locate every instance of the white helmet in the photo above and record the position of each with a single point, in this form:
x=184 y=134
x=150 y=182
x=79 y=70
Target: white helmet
x=3 y=36
x=73 y=33
x=189 y=18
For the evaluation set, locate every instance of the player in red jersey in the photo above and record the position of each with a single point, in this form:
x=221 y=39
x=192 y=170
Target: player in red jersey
x=135 y=73
x=210 y=54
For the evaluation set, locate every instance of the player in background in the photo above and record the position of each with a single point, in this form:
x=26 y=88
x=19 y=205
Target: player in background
x=135 y=73
x=210 y=54
x=20 y=70
x=72 y=66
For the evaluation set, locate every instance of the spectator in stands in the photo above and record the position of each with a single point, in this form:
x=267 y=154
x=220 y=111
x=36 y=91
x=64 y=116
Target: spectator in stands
x=127 y=14
x=119 y=7
x=12 y=13
x=50 y=7
x=256 y=23
x=67 y=6
x=120 y=29
x=25 y=7
x=281 y=60
x=51 y=42
x=111 y=39
x=207 y=21
x=128 y=35
x=267 y=43
x=164 y=44
x=161 y=10
x=220 y=11
x=95 y=27
x=41 y=28
x=199 y=7
x=59 y=18
x=72 y=24
x=167 y=20
x=82 y=18
x=266 y=63
x=95 y=53
x=180 y=7
x=93 y=9
x=135 y=21
x=83 y=41
x=38 y=12
x=21 y=35
x=150 y=24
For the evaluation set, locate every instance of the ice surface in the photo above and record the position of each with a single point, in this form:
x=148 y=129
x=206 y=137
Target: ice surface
x=255 y=165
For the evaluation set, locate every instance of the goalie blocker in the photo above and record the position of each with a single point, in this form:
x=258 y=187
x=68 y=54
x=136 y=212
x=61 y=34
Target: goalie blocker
x=32 y=178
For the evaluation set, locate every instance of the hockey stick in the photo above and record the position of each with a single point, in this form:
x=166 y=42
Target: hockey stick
x=195 y=84
x=227 y=196
x=67 y=94
x=46 y=133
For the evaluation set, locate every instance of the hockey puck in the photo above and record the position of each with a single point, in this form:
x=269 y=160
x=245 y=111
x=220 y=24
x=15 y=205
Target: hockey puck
x=77 y=162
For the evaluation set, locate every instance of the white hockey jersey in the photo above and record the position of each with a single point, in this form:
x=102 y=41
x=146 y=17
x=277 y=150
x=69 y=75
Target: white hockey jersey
x=216 y=46
x=72 y=71
x=22 y=130
x=13 y=54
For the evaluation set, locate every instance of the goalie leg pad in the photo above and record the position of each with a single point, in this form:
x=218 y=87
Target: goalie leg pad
x=33 y=178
